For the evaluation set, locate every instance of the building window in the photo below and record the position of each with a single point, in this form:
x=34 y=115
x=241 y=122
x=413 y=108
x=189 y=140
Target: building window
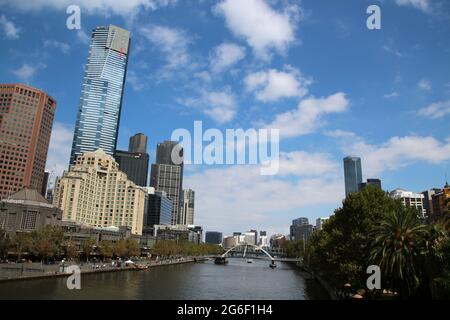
x=29 y=220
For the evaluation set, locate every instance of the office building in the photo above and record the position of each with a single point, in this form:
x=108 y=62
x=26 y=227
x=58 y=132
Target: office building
x=213 y=237
x=138 y=143
x=352 y=174
x=300 y=221
x=26 y=211
x=178 y=233
x=410 y=199
x=98 y=117
x=229 y=242
x=95 y=192
x=300 y=232
x=167 y=175
x=263 y=239
x=320 y=222
x=26 y=120
x=428 y=202
x=134 y=162
x=159 y=208
x=248 y=238
x=371 y=182
x=187 y=210
x=440 y=202
x=45 y=184
x=278 y=241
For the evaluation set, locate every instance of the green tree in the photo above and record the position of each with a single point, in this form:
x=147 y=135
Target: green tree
x=341 y=251
x=133 y=249
x=87 y=246
x=106 y=249
x=70 y=250
x=120 y=248
x=20 y=243
x=397 y=246
x=5 y=243
x=48 y=241
x=294 y=249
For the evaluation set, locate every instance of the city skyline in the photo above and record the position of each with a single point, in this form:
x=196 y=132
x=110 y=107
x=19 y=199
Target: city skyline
x=181 y=73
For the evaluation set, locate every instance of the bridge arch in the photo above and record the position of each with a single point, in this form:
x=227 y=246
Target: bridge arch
x=249 y=245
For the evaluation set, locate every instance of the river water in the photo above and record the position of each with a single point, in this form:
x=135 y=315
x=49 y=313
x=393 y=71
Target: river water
x=236 y=280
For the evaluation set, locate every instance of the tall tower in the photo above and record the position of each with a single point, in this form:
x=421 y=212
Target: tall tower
x=167 y=175
x=138 y=143
x=26 y=120
x=187 y=211
x=98 y=116
x=352 y=174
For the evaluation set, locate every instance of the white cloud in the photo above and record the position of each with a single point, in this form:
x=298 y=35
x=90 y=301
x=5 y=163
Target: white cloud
x=391 y=95
x=397 y=152
x=10 y=30
x=424 y=85
x=263 y=28
x=436 y=110
x=307 y=117
x=119 y=7
x=238 y=197
x=83 y=37
x=423 y=5
x=392 y=50
x=340 y=134
x=226 y=55
x=172 y=42
x=59 y=149
x=272 y=85
x=133 y=79
x=218 y=105
x=26 y=72
x=62 y=46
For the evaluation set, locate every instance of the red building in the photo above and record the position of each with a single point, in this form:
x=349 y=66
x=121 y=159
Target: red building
x=26 y=119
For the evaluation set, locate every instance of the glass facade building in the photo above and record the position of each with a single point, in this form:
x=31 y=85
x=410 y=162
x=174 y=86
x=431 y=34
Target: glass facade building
x=352 y=174
x=102 y=91
x=168 y=176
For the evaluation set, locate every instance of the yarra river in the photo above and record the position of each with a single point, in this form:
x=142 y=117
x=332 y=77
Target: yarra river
x=191 y=281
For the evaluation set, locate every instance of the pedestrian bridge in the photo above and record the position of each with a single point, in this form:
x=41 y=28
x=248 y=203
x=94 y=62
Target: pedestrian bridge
x=255 y=250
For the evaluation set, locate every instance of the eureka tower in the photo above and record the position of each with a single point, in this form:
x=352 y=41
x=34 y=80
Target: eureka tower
x=98 y=116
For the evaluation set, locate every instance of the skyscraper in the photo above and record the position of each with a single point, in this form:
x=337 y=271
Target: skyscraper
x=135 y=161
x=100 y=104
x=213 y=237
x=187 y=210
x=26 y=120
x=138 y=143
x=352 y=174
x=159 y=208
x=167 y=176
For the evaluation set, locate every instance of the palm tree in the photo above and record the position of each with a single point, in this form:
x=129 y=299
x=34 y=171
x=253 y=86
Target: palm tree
x=396 y=244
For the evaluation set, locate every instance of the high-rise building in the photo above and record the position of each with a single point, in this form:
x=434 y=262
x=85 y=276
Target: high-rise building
x=300 y=221
x=102 y=90
x=45 y=184
x=26 y=120
x=187 y=210
x=352 y=174
x=213 y=237
x=263 y=239
x=440 y=203
x=410 y=199
x=134 y=162
x=159 y=208
x=428 y=202
x=95 y=192
x=229 y=242
x=371 y=182
x=138 y=143
x=320 y=222
x=167 y=175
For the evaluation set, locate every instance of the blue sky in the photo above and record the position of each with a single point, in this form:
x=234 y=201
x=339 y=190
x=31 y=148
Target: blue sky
x=310 y=68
